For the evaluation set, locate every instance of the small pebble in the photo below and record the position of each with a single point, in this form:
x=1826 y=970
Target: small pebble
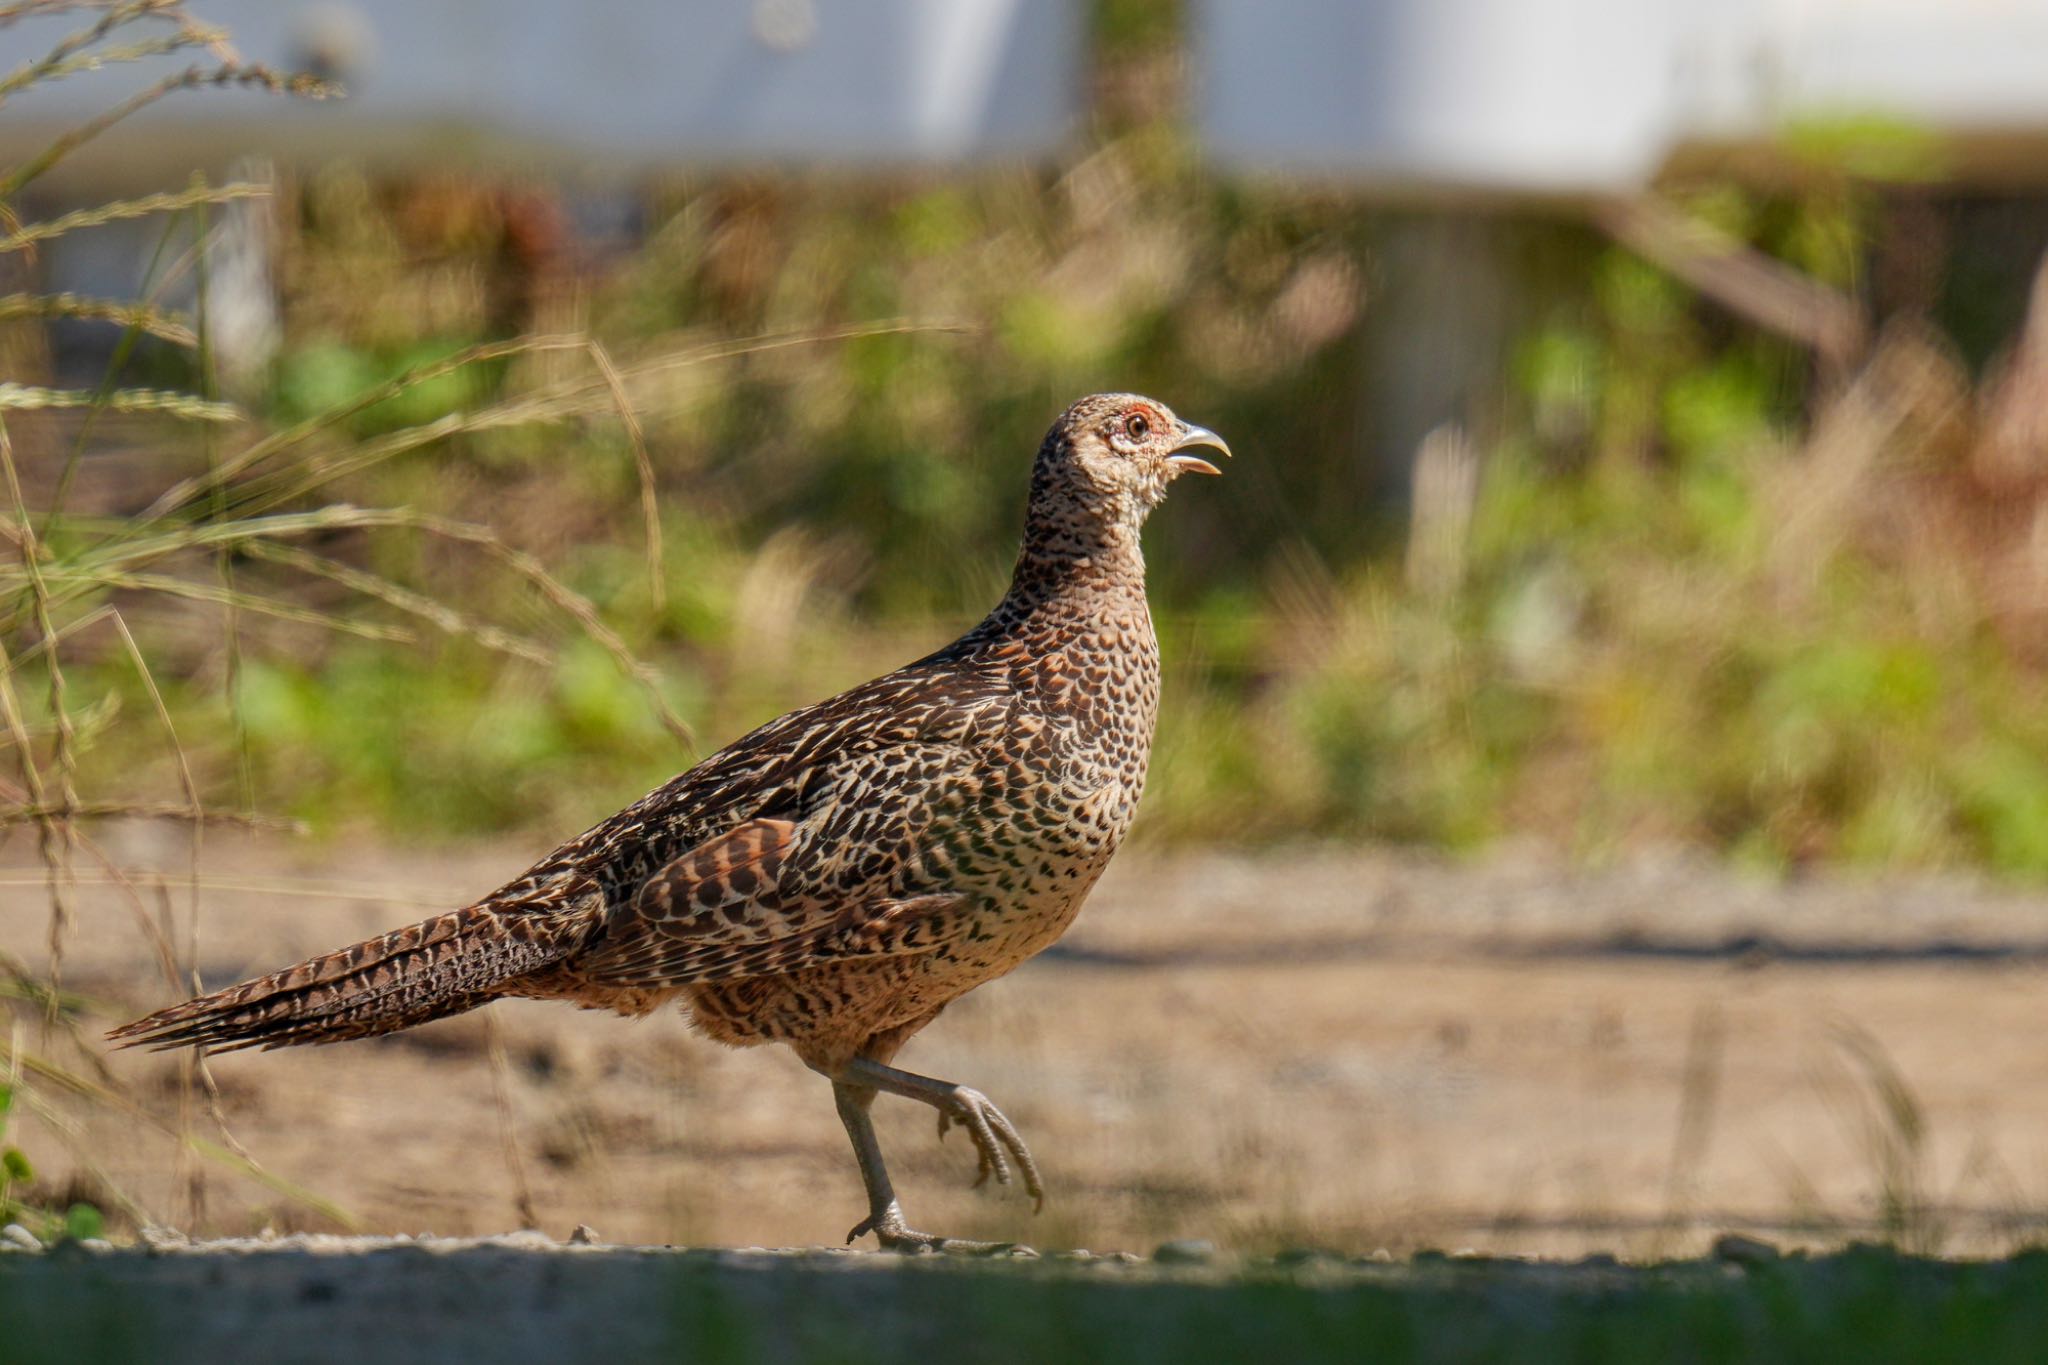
x=96 y=1244
x=1381 y=1256
x=583 y=1236
x=14 y=1234
x=1123 y=1257
x=1185 y=1251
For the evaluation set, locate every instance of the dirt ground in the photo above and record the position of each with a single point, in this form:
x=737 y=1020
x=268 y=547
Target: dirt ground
x=1338 y=1048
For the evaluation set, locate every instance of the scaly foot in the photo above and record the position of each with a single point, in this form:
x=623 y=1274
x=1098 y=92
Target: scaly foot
x=896 y=1235
x=996 y=1140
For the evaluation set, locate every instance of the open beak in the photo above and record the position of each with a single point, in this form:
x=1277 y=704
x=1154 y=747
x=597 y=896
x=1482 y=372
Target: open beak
x=1191 y=435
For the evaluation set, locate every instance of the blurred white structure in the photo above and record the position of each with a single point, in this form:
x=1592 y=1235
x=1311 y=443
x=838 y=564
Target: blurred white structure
x=1509 y=96
x=1531 y=94
x=619 y=84
x=1578 y=96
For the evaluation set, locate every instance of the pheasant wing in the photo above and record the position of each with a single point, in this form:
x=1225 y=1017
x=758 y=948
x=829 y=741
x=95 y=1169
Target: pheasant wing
x=721 y=912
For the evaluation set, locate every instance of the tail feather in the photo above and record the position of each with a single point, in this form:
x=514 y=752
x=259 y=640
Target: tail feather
x=438 y=967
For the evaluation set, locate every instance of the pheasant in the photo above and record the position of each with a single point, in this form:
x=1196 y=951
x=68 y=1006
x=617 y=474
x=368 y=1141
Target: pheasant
x=837 y=877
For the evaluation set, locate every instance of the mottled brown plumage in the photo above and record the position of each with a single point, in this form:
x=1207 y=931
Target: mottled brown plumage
x=835 y=878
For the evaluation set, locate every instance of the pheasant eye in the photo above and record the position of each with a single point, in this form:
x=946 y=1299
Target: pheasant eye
x=1136 y=427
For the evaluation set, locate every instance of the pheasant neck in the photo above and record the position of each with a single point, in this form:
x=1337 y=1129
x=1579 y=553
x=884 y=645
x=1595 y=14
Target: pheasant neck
x=1075 y=563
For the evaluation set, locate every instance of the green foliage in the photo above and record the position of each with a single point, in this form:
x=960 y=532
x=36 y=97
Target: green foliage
x=325 y=375
x=1622 y=662
x=1872 y=146
x=83 y=1222
x=76 y=1223
x=1630 y=657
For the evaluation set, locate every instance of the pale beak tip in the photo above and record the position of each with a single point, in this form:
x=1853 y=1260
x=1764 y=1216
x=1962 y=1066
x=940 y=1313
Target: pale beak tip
x=1192 y=435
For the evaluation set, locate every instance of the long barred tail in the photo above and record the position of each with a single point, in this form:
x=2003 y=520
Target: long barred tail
x=438 y=967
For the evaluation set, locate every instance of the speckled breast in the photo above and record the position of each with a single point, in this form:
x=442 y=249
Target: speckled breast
x=1068 y=795
x=1025 y=833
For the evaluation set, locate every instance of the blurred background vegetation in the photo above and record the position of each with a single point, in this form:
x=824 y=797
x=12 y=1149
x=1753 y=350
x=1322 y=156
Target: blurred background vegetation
x=1680 y=580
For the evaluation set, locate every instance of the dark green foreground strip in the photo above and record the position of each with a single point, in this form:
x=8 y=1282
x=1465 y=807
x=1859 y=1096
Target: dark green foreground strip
x=398 y=1303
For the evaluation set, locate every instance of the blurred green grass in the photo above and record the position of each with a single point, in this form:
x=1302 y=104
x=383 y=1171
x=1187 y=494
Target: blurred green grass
x=1863 y=1304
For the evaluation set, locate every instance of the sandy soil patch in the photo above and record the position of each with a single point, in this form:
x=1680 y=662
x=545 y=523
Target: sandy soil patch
x=1346 y=1049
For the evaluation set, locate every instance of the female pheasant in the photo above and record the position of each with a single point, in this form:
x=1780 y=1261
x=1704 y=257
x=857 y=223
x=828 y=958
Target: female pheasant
x=835 y=878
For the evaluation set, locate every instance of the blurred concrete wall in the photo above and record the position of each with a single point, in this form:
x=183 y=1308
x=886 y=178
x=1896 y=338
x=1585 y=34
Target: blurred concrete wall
x=1510 y=96
x=596 y=85
x=1578 y=96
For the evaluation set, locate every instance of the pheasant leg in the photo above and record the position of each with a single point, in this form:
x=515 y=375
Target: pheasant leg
x=996 y=1140
x=885 y=1214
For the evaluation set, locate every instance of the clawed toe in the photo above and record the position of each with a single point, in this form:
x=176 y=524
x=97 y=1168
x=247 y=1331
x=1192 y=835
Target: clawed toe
x=996 y=1141
x=895 y=1235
